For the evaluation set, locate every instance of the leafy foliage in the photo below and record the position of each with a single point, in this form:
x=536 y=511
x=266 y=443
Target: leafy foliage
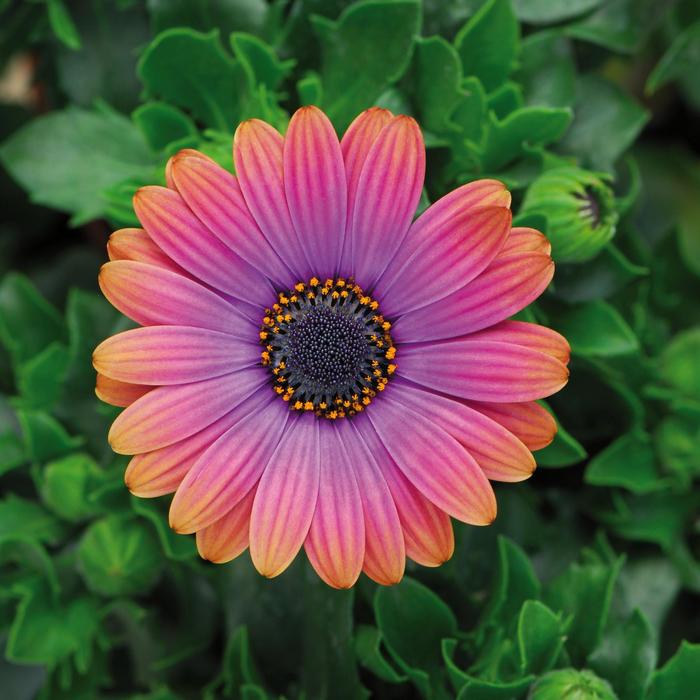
x=586 y=586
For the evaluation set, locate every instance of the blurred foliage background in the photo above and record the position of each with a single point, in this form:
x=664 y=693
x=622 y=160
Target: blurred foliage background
x=587 y=586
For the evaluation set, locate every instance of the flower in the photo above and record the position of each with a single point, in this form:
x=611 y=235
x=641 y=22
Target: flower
x=317 y=369
x=579 y=207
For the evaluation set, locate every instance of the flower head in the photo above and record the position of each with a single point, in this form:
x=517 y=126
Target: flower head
x=579 y=207
x=317 y=369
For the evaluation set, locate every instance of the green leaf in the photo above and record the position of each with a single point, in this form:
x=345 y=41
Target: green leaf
x=679 y=363
x=680 y=675
x=596 y=329
x=606 y=122
x=238 y=667
x=163 y=124
x=119 y=557
x=192 y=70
x=515 y=583
x=44 y=632
x=378 y=57
x=479 y=689
x=20 y=517
x=40 y=380
x=67 y=484
x=508 y=138
x=540 y=637
x=175 y=546
x=28 y=323
x=44 y=437
x=563 y=451
x=675 y=441
x=627 y=656
x=584 y=592
x=62 y=24
x=259 y=61
x=12 y=453
x=629 y=462
x=683 y=55
x=413 y=622
x=552 y=11
x=547 y=72
x=488 y=43
x=369 y=655
x=66 y=159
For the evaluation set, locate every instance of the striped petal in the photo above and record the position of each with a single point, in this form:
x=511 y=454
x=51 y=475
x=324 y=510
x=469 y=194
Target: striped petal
x=471 y=244
x=173 y=226
x=314 y=183
x=161 y=471
x=118 y=393
x=529 y=422
x=387 y=195
x=427 y=530
x=229 y=468
x=286 y=498
x=508 y=285
x=153 y=296
x=435 y=463
x=501 y=456
x=225 y=539
x=159 y=355
x=448 y=260
x=483 y=370
x=335 y=544
x=183 y=153
x=136 y=244
x=524 y=240
x=529 y=335
x=215 y=196
x=356 y=145
x=257 y=154
x=158 y=419
x=385 y=551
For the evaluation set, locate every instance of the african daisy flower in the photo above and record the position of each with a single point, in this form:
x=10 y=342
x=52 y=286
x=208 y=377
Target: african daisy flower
x=317 y=369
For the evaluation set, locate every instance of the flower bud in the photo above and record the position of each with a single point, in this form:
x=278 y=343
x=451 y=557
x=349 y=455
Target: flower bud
x=571 y=684
x=580 y=210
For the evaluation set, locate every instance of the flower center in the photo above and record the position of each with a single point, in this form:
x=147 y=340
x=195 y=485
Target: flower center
x=328 y=347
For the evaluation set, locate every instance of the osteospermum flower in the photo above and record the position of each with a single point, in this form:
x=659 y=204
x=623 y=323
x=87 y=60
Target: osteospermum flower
x=317 y=369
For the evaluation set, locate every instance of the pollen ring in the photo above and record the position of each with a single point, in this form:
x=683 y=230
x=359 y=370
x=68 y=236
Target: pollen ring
x=328 y=348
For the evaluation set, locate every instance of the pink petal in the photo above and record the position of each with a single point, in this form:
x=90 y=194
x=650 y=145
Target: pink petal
x=226 y=538
x=229 y=468
x=173 y=226
x=153 y=296
x=506 y=286
x=386 y=198
x=314 y=183
x=498 y=452
x=335 y=544
x=483 y=370
x=385 y=552
x=136 y=244
x=215 y=196
x=171 y=413
x=286 y=498
x=355 y=145
x=427 y=530
x=183 y=153
x=161 y=471
x=434 y=462
x=529 y=335
x=448 y=257
x=529 y=422
x=118 y=393
x=523 y=240
x=257 y=153
x=158 y=355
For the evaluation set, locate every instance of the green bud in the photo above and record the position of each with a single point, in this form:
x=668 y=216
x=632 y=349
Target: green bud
x=570 y=684
x=580 y=210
